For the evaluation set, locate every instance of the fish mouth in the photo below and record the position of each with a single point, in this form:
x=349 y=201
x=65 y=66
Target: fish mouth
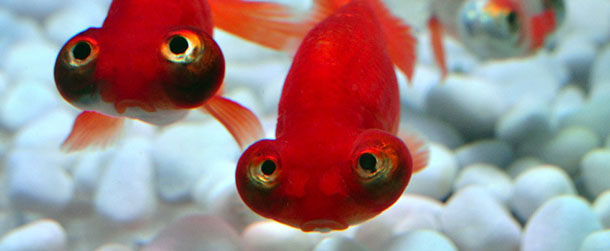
x=322 y=225
x=122 y=105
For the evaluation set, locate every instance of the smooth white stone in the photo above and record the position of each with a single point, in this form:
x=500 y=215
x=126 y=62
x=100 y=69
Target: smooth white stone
x=584 y=18
x=3 y=83
x=491 y=178
x=600 y=75
x=339 y=243
x=528 y=194
x=87 y=173
x=20 y=29
x=521 y=165
x=474 y=220
x=577 y=53
x=495 y=152
x=413 y=94
x=568 y=147
x=32 y=59
x=8 y=221
x=601 y=206
x=431 y=128
x=41 y=235
x=37 y=182
x=125 y=193
x=219 y=196
x=74 y=18
x=35 y=8
x=568 y=101
x=113 y=247
x=472 y=105
x=17 y=108
x=420 y=240
x=272 y=236
x=595 y=170
x=596 y=241
x=560 y=224
x=594 y=114
x=528 y=117
x=196 y=232
x=435 y=179
x=178 y=168
x=410 y=212
x=514 y=78
x=36 y=135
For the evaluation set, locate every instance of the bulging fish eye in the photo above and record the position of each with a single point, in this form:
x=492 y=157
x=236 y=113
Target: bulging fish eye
x=194 y=67
x=512 y=21
x=75 y=68
x=263 y=172
x=375 y=165
x=182 y=47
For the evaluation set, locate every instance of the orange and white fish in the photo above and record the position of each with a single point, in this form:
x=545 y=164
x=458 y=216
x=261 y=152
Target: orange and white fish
x=494 y=29
x=154 y=60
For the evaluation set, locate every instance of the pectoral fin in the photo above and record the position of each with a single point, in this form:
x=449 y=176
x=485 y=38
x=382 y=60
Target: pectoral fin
x=92 y=129
x=239 y=121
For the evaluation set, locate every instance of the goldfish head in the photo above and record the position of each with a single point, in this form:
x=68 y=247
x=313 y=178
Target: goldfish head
x=139 y=73
x=324 y=188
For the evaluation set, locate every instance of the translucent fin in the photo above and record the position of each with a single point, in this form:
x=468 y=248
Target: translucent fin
x=239 y=121
x=417 y=147
x=541 y=26
x=92 y=129
x=269 y=24
x=399 y=41
x=436 y=38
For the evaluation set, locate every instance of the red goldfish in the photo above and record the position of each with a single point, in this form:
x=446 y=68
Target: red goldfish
x=336 y=160
x=494 y=29
x=154 y=60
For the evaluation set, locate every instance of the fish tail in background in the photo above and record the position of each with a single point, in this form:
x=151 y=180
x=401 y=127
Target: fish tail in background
x=239 y=121
x=399 y=41
x=436 y=38
x=92 y=129
x=541 y=26
x=418 y=149
x=270 y=24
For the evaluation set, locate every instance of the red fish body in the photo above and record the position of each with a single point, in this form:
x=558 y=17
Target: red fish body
x=154 y=60
x=336 y=160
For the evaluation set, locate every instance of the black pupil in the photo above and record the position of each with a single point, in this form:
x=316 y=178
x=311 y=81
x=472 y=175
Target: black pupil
x=368 y=162
x=81 y=50
x=268 y=167
x=512 y=21
x=178 y=45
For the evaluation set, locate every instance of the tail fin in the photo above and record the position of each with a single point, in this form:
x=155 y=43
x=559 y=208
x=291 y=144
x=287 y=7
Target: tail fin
x=436 y=38
x=399 y=41
x=269 y=24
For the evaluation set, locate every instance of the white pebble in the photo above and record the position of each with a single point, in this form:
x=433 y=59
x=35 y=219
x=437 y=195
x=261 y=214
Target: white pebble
x=87 y=173
x=522 y=164
x=178 y=168
x=36 y=135
x=601 y=206
x=495 y=152
x=34 y=8
x=125 y=194
x=560 y=224
x=339 y=243
x=568 y=147
x=593 y=115
x=41 y=235
x=435 y=180
x=247 y=98
x=17 y=108
x=568 y=101
x=31 y=59
x=431 y=128
x=596 y=241
x=20 y=29
x=527 y=194
x=410 y=212
x=491 y=178
x=577 y=53
x=578 y=20
x=514 y=78
x=528 y=117
x=272 y=236
x=3 y=83
x=420 y=240
x=413 y=94
x=37 y=181
x=113 y=247
x=595 y=171
x=471 y=105
x=74 y=18
x=599 y=74
x=8 y=221
x=196 y=232
x=475 y=220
